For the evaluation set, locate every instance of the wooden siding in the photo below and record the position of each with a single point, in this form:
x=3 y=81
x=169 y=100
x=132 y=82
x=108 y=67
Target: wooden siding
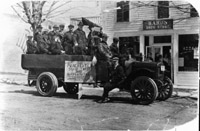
x=182 y=21
x=188 y=78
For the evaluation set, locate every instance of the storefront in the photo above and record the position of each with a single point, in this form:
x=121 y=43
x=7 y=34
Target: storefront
x=178 y=47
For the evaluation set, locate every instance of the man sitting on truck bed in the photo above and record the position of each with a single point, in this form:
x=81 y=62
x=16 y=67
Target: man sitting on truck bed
x=43 y=47
x=55 y=46
x=31 y=46
x=67 y=41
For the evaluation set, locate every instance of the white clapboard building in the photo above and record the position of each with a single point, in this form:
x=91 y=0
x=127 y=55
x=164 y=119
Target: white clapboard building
x=168 y=28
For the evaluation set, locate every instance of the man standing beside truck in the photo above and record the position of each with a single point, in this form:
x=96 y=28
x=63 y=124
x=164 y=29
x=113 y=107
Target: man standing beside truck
x=103 y=60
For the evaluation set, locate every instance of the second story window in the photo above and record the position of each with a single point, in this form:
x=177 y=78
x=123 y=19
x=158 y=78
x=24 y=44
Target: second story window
x=163 y=9
x=123 y=13
x=193 y=12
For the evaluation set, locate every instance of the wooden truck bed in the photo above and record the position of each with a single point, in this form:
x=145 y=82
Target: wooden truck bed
x=43 y=61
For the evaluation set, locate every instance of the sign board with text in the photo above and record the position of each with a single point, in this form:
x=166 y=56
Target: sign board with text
x=157 y=24
x=79 y=72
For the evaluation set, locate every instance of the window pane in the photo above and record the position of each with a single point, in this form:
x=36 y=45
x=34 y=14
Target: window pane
x=163 y=9
x=126 y=11
x=119 y=15
x=123 y=13
x=129 y=43
x=188 y=52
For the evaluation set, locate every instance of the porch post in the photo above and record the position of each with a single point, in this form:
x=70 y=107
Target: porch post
x=142 y=46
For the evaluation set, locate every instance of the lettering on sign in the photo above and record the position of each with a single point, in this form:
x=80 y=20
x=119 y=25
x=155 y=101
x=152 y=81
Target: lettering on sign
x=158 y=24
x=79 y=71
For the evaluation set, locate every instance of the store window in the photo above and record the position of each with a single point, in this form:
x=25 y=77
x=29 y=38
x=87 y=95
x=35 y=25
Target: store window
x=188 y=52
x=129 y=43
x=123 y=13
x=163 y=9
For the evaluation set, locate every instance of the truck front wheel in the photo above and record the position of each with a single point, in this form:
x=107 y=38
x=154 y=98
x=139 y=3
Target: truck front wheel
x=144 y=90
x=47 y=84
x=165 y=89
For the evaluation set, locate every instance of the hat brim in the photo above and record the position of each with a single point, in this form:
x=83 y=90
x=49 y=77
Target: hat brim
x=115 y=59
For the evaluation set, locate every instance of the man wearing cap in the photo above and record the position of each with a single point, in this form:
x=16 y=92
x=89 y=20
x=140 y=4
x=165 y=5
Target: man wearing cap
x=55 y=46
x=116 y=78
x=31 y=46
x=61 y=31
x=67 y=41
x=80 y=40
x=113 y=47
x=54 y=33
x=92 y=35
x=103 y=59
x=43 y=47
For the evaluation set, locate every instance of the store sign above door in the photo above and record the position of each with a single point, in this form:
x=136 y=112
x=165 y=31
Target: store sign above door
x=157 y=24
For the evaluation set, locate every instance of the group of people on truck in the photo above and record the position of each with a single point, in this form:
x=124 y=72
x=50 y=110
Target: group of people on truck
x=58 y=42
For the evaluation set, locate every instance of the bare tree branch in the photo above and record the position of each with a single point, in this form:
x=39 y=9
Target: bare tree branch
x=20 y=5
x=58 y=14
x=50 y=8
x=19 y=15
x=26 y=6
x=60 y=6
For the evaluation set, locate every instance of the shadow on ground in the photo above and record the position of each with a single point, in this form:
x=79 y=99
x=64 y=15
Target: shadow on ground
x=94 y=98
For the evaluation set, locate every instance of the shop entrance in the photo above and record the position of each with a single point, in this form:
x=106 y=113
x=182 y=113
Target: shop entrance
x=161 y=50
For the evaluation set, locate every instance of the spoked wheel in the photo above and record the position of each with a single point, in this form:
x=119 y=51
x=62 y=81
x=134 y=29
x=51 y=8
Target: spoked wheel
x=47 y=84
x=165 y=89
x=71 y=88
x=144 y=90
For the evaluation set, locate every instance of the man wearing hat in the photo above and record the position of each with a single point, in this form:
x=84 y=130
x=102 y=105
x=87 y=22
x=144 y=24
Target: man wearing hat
x=31 y=46
x=103 y=59
x=116 y=78
x=54 y=33
x=94 y=34
x=67 y=41
x=55 y=46
x=61 y=31
x=80 y=40
x=43 y=47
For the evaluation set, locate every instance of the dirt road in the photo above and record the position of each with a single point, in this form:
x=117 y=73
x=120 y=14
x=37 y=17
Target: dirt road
x=23 y=109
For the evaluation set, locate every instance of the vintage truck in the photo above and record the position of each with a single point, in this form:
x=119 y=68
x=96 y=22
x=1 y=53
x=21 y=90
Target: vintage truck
x=146 y=81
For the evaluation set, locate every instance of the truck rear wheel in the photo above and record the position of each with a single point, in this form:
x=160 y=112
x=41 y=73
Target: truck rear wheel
x=71 y=88
x=47 y=84
x=165 y=90
x=144 y=90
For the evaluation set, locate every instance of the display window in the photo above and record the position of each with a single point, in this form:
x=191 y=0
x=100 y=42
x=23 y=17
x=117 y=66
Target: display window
x=188 y=52
x=129 y=44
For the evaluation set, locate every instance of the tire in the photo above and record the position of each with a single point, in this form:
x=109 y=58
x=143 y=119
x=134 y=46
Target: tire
x=144 y=90
x=47 y=84
x=165 y=90
x=71 y=88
